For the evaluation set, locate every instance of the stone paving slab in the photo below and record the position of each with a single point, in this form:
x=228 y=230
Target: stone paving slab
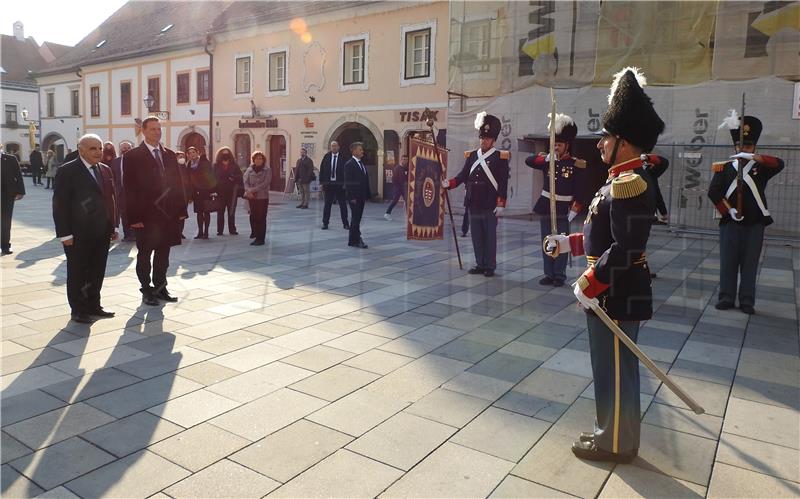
x=278 y=373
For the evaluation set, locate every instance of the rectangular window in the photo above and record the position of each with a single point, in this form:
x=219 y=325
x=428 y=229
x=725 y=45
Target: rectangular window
x=277 y=72
x=243 y=75
x=94 y=93
x=51 y=104
x=418 y=54
x=125 y=98
x=11 y=113
x=203 y=85
x=354 y=62
x=183 y=88
x=475 y=40
x=76 y=110
x=154 y=90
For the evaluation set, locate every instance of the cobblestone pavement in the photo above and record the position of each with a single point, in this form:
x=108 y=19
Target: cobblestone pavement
x=308 y=368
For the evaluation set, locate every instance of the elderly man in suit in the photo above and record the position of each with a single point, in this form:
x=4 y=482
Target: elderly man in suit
x=84 y=214
x=357 y=191
x=156 y=206
x=12 y=189
x=331 y=176
x=122 y=212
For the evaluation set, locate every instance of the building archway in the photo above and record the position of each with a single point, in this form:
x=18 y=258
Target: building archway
x=349 y=132
x=57 y=143
x=194 y=139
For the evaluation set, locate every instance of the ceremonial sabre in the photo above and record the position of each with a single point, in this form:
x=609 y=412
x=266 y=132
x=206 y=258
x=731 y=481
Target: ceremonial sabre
x=553 y=223
x=633 y=347
x=739 y=190
x=429 y=121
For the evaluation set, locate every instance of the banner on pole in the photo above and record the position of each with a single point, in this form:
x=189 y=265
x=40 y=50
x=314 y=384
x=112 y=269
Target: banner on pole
x=426 y=204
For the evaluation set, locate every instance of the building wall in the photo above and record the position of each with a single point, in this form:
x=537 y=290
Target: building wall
x=18 y=133
x=63 y=129
x=314 y=71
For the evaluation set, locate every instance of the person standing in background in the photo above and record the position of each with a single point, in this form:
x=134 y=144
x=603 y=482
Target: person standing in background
x=203 y=183
x=50 y=165
x=122 y=210
x=256 y=191
x=357 y=192
x=37 y=165
x=331 y=176
x=12 y=189
x=229 y=181
x=304 y=174
x=400 y=183
x=183 y=170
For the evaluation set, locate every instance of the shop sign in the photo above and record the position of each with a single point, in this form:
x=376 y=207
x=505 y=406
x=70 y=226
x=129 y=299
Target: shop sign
x=259 y=123
x=416 y=116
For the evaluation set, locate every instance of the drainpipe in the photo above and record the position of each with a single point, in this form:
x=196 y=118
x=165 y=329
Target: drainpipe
x=208 y=49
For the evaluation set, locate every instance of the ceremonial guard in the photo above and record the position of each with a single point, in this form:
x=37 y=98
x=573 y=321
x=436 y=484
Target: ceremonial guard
x=485 y=174
x=567 y=207
x=617 y=281
x=741 y=229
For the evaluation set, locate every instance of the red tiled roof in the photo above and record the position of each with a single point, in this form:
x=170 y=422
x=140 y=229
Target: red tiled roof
x=19 y=59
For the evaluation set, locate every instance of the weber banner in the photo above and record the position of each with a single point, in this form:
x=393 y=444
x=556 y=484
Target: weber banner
x=426 y=205
x=755 y=39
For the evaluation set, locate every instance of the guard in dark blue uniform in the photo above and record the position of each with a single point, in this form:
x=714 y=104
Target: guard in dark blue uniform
x=614 y=240
x=741 y=235
x=485 y=174
x=567 y=207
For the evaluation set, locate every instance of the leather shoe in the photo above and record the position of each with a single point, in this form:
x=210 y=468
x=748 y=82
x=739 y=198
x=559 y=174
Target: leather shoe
x=476 y=270
x=82 y=318
x=488 y=272
x=257 y=243
x=558 y=283
x=149 y=299
x=359 y=244
x=346 y=226
x=748 y=309
x=6 y=252
x=723 y=305
x=546 y=281
x=586 y=436
x=591 y=452
x=164 y=295
x=325 y=227
x=234 y=233
x=101 y=313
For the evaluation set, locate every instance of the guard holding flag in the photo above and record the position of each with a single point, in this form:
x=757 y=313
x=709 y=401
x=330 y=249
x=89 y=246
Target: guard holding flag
x=741 y=234
x=485 y=174
x=617 y=280
x=567 y=207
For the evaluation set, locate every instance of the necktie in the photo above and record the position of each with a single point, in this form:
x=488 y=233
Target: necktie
x=157 y=154
x=96 y=175
x=360 y=165
x=333 y=167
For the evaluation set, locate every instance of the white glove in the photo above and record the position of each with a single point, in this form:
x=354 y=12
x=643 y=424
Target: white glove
x=663 y=218
x=744 y=155
x=584 y=300
x=547 y=158
x=735 y=215
x=554 y=241
x=498 y=211
x=571 y=215
x=446 y=183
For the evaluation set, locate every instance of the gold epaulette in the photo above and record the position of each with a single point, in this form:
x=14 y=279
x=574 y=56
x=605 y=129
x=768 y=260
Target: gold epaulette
x=718 y=166
x=580 y=163
x=505 y=154
x=628 y=185
x=466 y=154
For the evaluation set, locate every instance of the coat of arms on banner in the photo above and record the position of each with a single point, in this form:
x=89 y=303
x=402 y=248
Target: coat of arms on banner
x=426 y=206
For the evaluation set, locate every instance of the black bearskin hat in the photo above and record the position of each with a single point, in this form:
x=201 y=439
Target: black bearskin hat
x=565 y=127
x=487 y=125
x=752 y=128
x=630 y=114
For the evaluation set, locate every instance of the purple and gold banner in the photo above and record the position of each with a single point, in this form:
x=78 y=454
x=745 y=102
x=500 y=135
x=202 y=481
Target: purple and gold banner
x=426 y=205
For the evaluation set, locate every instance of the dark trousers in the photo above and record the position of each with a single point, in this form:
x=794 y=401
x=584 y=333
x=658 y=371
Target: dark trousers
x=6 y=210
x=399 y=192
x=203 y=221
x=484 y=237
x=334 y=193
x=465 y=221
x=616 y=386
x=86 y=269
x=357 y=209
x=739 y=251
x=258 y=218
x=554 y=268
x=37 y=177
x=160 y=263
x=48 y=182
x=228 y=203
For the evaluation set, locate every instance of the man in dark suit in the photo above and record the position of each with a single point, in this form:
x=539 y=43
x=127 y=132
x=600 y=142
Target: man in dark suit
x=331 y=177
x=37 y=165
x=84 y=214
x=122 y=213
x=12 y=189
x=357 y=192
x=156 y=206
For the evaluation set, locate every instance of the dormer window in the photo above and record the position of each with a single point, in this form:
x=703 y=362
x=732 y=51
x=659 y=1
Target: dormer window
x=167 y=28
x=100 y=44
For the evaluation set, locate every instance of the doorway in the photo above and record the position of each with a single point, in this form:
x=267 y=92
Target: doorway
x=356 y=132
x=242 y=149
x=195 y=140
x=277 y=162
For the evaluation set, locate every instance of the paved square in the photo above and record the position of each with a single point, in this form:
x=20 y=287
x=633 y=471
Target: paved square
x=308 y=368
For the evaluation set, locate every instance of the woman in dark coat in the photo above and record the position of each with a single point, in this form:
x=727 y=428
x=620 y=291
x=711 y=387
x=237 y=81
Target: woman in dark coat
x=204 y=183
x=229 y=186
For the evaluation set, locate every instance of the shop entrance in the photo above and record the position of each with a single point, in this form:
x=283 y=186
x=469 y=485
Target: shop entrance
x=356 y=132
x=277 y=162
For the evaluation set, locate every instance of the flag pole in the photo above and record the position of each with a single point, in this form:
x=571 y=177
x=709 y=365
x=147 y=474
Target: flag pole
x=429 y=122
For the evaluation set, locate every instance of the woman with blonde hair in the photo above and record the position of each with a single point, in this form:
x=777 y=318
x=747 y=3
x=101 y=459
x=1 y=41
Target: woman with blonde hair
x=51 y=166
